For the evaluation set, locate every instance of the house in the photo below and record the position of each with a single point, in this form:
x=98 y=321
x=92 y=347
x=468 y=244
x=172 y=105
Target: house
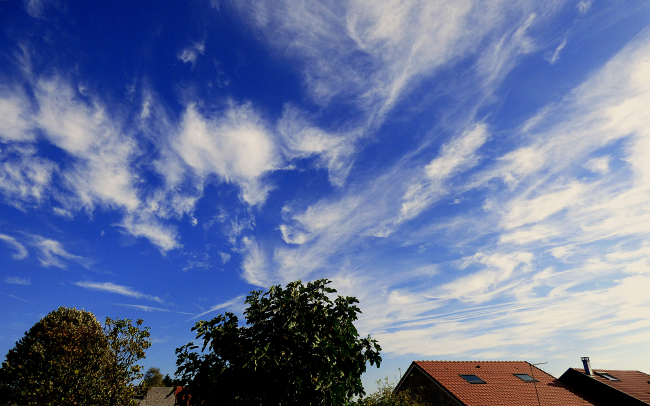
x=609 y=387
x=488 y=383
x=164 y=396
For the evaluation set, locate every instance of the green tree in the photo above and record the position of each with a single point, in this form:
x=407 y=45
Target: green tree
x=167 y=381
x=299 y=348
x=65 y=359
x=386 y=396
x=152 y=379
x=127 y=344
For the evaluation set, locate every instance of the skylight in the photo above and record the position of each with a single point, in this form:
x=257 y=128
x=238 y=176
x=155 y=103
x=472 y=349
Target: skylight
x=472 y=379
x=525 y=377
x=606 y=375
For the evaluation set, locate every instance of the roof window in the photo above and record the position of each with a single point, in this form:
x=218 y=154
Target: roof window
x=472 y=379
x=526 y=377
x=606 y=376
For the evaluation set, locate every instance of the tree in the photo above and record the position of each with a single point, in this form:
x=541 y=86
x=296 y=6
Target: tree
x=65 y=359
x=127 y=344
x=152 y=379
x=167 y=381
x=386 y=396
x=299 y=348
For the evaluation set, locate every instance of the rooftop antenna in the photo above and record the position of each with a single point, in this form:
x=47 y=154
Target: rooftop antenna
x=534 y=380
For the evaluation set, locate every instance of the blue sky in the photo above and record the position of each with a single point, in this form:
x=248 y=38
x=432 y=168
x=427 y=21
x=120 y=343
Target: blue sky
x=476 y=173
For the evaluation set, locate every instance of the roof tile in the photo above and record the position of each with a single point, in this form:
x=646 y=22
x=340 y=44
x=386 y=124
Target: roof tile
x=634 y=383
x=502 y=387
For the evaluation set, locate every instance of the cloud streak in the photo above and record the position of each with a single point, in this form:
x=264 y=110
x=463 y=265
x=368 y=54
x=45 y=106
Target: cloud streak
x=21 y=251
x=52 y=254
x=16 y=280
x=118 y=289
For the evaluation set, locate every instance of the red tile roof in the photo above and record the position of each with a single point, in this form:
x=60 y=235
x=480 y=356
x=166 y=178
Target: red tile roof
x=634 y=383
x=502 y=388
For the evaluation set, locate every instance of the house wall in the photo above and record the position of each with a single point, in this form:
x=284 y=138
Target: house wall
x=422 y=385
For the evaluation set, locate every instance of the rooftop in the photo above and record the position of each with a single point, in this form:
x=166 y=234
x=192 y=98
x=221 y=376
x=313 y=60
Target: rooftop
x=501 y=384
x=634 y=383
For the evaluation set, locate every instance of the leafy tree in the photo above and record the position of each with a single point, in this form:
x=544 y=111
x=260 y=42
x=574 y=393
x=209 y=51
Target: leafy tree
x=127 y=344
x=152 y=379
x=65 y=359
x=299 y=348
x=167 y=381
x=386 y=396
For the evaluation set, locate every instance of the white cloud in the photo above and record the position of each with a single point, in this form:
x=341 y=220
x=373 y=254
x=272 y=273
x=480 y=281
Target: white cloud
x=21 y=251
x=150 y=308
x=24 y=177
x=62 y=212
x=520 y=212
x=292 y=236
x=235 y=146
x=599 y=165
x=196 y=262
x=563 y=251
x=483 y=285
x=191 y=53
x=35 y=8
x=525 y=235
x=101 y=173
x=219 y=306
x=500 y=57
x=455 y=156
x=372 y=51
x=163 y=236
x=584 y=5
x=598 y=230
x=14 y=119
x=225 y=257
x=52 y=253
x=302 y=140
x=545 y=246
x=119 y=289
x=16 y=280
x=254 y=265
x=556 y=55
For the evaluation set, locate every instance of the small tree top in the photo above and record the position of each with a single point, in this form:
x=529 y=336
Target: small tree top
x=299 y=347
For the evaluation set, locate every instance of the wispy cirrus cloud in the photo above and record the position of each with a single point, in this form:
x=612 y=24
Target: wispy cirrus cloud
x=587 y=236
x=25 y=177
x=220 y=306
x=235 y=146
x=21 y=251
x=101 y=154
x=369 y=55
x=549 y=214
x=17 y=280
x=150 y=308
x=52 y=253
x=374 y=50
x=191 y=53
x=375 y=209
x=118 y=289
x=17 y=298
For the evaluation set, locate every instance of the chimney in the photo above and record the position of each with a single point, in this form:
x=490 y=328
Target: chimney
x=587 y=365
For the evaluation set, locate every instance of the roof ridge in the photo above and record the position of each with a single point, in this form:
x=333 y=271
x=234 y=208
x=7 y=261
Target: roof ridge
x=613 y=370
x=423 y=360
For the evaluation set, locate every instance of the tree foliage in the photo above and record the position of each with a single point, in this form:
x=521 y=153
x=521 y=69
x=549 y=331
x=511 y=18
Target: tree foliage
x=167 y=381
x=67 y=359
x=152 y=379
x=127 y=344
x=298 y=348
x=386 y=396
